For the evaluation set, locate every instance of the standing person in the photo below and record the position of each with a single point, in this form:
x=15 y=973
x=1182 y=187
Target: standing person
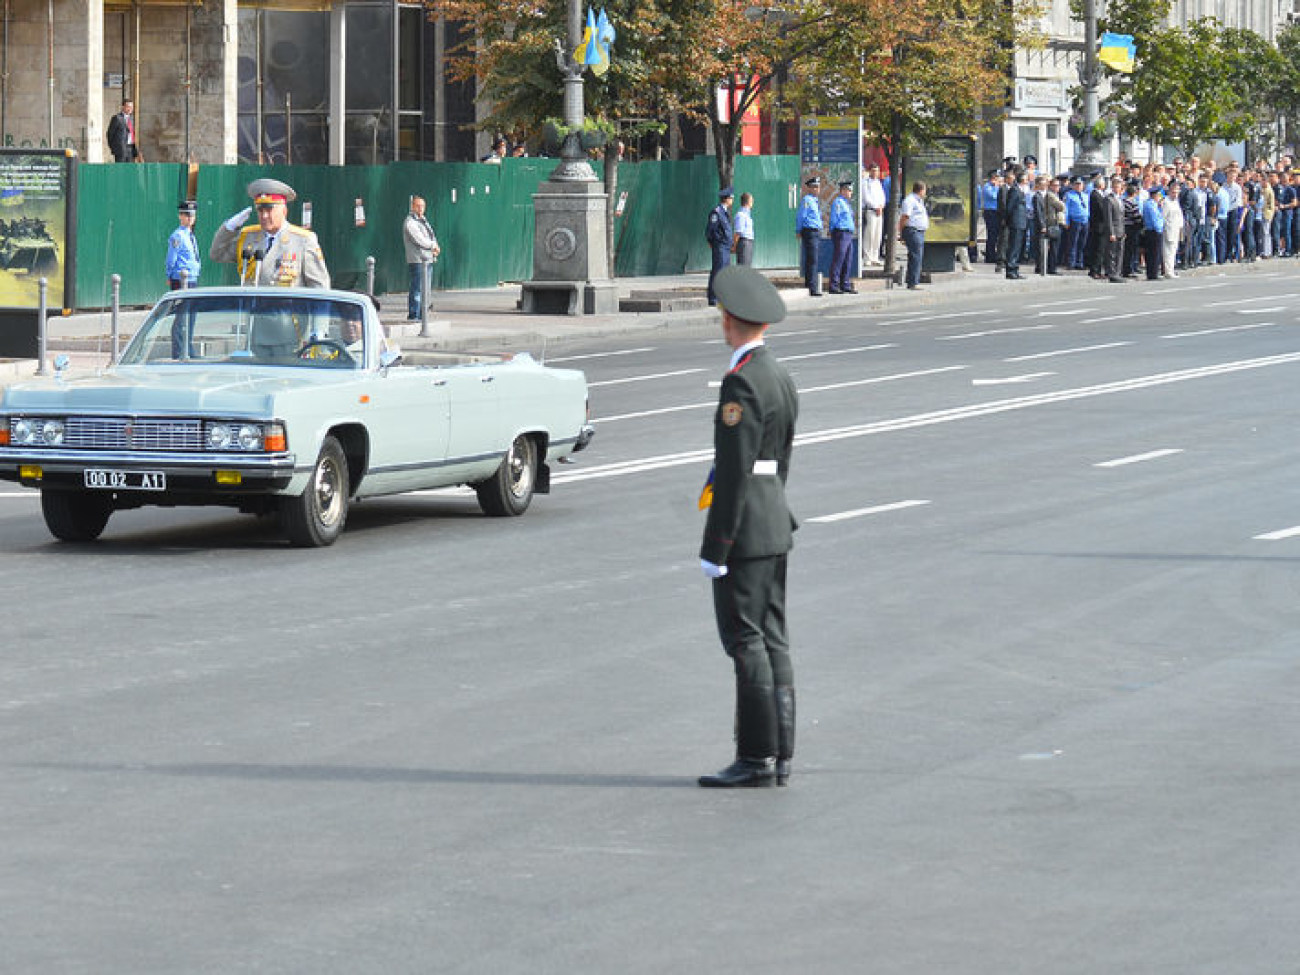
x=873 y=216
x=719 y=234
x=1099 y=229
x=808 y=227
x=421 y=250
x=1192 y=203
x=1051 y=213
x=743 y=241
x=842 y=227
x=183 y=249
x=1153 y=234
x=749 y=532
x=1016 y=223
x=275 y=252
x=1076 y=225
x=1115 y=246
x=1133 y=228
x=913 y=222
x=1171 y=209
x=121 y=134
x=992 y=218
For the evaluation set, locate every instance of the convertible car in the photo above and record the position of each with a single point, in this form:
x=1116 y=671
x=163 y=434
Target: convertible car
x=289 y=403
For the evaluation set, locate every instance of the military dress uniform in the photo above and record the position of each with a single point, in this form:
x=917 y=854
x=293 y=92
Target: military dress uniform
x=748 y=534
x=290 y=258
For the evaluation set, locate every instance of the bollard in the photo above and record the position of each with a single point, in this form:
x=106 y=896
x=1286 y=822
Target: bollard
x=370 y=276
x=41 y=368
x=117 y=307
x=426 y=278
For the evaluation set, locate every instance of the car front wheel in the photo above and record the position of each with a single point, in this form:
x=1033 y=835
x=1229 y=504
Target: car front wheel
x=509 y=491
x=316 y=517
x=75 y=516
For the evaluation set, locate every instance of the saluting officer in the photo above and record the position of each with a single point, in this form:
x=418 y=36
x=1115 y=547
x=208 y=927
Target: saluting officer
x=275 y=252
x=183 y=249
x=749 y=531
x=808 y=225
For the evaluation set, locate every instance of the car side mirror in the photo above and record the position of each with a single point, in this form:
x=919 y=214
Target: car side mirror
x=389 y=358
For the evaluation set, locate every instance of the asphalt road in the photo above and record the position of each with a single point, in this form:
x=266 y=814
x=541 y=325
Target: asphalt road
x=1044 y=614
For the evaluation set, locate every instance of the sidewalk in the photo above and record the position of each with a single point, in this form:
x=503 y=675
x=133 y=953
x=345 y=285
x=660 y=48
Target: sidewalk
x=488 y=320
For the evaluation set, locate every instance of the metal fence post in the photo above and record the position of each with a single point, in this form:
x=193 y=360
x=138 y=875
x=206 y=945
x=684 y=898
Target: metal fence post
x=117 y=306
x=370 y=276
x=425 y=279
x=41 y=338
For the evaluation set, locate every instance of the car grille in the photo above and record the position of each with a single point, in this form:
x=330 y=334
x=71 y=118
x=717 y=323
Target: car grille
x=132 y=433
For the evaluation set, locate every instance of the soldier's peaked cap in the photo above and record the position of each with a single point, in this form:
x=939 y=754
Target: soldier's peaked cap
x=749 y=295
x=268 y=190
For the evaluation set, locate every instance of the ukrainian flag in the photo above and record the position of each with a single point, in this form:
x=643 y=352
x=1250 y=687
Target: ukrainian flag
x=1117 y=51
x=706 y=495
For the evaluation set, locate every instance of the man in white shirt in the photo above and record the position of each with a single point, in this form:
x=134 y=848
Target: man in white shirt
x=913 y=222
x=873 y=215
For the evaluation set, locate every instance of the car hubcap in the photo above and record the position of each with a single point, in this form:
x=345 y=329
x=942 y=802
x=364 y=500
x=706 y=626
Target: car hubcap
x=521 y=474
x=329 y=497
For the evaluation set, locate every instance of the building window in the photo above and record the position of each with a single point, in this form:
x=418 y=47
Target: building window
x=283 y=86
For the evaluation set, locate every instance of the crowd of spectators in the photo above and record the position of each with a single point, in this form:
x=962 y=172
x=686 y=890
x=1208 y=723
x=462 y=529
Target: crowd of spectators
x=1152 y=218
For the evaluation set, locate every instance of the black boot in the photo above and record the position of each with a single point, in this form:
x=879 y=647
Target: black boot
x=757 y=773
x=784 y=733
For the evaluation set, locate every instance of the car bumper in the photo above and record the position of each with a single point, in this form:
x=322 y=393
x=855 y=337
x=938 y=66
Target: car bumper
x=584 y=437
x=184 y=473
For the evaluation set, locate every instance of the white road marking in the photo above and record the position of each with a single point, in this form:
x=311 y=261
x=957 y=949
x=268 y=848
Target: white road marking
x=1216 y=331
x=948 y=416
x=860 y=512
x=1277 y=536
x=1242 y=301
x=641 y=379
x=786 y=335
x=1067 y=311
x=1026 y=378
x=597 y=355
x=1187 y=287
x=1261 y=311
x=1132 y=314
x=1069 y=301
x=818 y=355
x=659 y=412
x=1139 y=458
x=1082 y=348
x=993 y=331
x=880 y=379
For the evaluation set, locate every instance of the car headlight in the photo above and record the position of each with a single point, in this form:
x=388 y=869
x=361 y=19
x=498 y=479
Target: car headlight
x=219 y=436
x=250 y=437
x=52 y=432
x=35 y=432
x=23 y=430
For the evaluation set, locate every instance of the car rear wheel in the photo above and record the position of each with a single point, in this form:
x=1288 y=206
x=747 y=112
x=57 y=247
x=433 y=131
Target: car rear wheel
x=75 y=516
x=316 y=517
x=509 y=491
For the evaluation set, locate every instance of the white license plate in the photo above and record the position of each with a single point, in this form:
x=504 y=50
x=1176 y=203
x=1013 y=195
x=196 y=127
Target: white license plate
x=125 y=480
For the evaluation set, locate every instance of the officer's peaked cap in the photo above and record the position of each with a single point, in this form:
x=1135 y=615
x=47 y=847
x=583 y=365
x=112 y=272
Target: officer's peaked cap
x=267 y=190
x=725 y=192
x=813 y=181
x=187 y=206
x=749 y=295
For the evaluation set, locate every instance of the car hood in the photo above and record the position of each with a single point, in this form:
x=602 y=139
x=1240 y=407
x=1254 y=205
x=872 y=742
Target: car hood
x=173 y=390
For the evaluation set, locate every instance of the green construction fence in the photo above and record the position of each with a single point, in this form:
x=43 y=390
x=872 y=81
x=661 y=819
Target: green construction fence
x=482 y=214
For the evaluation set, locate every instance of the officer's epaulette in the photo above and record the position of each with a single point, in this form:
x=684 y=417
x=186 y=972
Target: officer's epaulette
x=295 y=229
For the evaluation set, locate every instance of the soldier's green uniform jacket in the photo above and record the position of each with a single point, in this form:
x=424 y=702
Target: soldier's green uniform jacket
x=753 y=435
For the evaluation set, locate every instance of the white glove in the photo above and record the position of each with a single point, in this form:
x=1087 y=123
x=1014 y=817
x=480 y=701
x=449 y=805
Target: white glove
x=711 y=570
x=237 y=221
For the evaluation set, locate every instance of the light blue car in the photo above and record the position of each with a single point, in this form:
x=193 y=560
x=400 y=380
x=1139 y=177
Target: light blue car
x=287 y=402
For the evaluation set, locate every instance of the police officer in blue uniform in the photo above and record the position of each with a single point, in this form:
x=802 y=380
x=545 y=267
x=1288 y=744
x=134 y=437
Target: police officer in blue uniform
x=183 y=249
x=749 y=531
x=718 y=234
x=842 y=230
x=808 y=225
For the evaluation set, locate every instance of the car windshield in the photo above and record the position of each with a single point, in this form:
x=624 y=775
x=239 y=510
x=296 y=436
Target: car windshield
x=288 y=330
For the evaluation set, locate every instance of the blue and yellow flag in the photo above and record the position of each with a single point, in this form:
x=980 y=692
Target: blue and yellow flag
x=1118 y=52
x=597 y=37
x=706 y=495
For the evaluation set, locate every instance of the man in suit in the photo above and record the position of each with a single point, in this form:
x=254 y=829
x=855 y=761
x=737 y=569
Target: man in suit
x=749 y=531
x=1099 y=229
x=274 y=252
x=121 y=134
x=1016 y=222
x=1115 y=221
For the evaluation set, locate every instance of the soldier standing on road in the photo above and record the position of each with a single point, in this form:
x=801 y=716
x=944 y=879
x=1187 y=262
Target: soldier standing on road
x=275 y=252
x=808 y=227
x=749 y=531
x=718 y=233
x=183 y=249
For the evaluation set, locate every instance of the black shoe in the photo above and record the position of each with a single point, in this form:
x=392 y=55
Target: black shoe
x=743 y=773
x=1053 y=272
x=849 y=291
x=913 y=287
x=1013 y=275
x=1114 y=279
x=836 y=291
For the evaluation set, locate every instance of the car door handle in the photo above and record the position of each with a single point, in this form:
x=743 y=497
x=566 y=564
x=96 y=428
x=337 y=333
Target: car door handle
x=440 y=382
x=486 y=379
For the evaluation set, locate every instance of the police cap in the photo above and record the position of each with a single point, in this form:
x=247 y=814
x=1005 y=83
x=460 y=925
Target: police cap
x=847 y=182
x=187 y=206
x=748 y=295
x=267 y=190
x=725 y=193
x=813 y=181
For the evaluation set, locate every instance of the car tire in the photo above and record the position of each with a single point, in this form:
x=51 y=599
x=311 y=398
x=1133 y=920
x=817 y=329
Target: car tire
x=316 y=517
x=75 y=516
x=509 y=491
